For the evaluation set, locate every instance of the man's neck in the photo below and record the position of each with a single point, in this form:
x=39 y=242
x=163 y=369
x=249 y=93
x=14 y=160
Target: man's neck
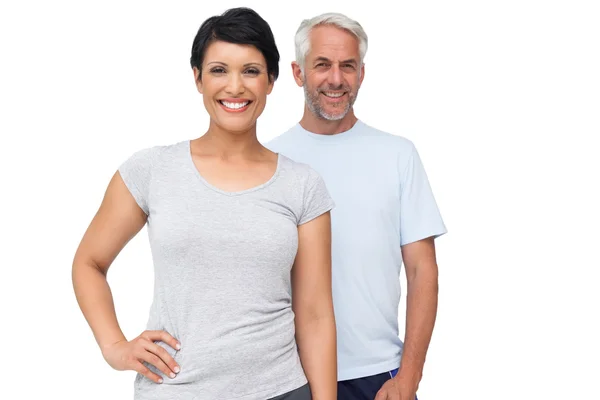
x=322 y=126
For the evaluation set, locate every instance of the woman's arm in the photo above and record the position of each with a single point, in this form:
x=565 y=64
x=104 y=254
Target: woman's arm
x=313 y=306
x=117 y=221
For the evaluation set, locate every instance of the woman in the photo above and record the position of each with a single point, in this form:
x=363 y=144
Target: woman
x=234 y=230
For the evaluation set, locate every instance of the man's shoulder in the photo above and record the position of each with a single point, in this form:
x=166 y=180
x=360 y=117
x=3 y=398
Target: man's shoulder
x=281 y=140
x=385 y=137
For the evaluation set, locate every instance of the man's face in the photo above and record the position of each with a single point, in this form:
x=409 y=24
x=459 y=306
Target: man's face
x=332 y=72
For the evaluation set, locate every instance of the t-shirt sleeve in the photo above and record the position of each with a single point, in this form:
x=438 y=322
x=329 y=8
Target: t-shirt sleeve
x=136 y=172
x=317 y=200
x=420 y=217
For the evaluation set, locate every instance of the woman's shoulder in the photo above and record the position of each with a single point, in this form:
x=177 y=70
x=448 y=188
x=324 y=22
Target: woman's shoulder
x=151 y=155
x=308 y=188
x=300 y=171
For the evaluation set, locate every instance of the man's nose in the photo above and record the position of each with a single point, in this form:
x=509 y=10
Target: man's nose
x=335 y=76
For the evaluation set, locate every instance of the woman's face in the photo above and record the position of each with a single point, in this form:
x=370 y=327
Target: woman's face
x=234 y=85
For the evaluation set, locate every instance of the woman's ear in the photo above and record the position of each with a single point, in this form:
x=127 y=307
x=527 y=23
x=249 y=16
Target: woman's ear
x=271 y=84
x=197 y=79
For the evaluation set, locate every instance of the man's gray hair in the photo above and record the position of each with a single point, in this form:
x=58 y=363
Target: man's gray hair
x=302 y=39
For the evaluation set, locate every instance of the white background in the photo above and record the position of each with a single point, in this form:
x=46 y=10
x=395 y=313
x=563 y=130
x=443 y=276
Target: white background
x=502 y=99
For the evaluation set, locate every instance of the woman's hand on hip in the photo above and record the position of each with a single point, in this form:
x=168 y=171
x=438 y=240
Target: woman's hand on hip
x=131 y=355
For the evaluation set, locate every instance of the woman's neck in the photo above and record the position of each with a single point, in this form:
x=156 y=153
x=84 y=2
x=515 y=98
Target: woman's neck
x=224 y=144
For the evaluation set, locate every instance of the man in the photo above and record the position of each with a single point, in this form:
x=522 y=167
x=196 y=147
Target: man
x=385 y=215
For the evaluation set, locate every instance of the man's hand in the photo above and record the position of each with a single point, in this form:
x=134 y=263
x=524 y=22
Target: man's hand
x=396 y=389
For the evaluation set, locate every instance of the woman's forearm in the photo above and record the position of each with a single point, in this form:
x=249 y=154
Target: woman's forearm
x=316 y=339
x=96 y=302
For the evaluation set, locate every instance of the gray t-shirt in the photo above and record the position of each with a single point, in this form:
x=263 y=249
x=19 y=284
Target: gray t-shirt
x=222 y=265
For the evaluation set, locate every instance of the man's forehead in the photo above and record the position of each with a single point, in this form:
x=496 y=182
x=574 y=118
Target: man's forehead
x=326 y=40
x=327 y=34
x=340 y=59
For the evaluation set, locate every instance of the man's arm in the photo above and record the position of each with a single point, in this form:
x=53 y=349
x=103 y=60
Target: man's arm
x=421 y=308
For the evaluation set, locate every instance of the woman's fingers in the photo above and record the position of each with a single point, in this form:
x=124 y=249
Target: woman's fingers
x=160 y=358
x=145 y=371
x=163 y=337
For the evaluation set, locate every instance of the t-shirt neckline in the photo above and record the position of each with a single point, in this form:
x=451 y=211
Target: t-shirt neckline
x=332 y=138
x=190 y=160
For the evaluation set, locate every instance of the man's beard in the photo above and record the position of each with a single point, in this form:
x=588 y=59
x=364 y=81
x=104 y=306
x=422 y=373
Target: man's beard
x=312 y=100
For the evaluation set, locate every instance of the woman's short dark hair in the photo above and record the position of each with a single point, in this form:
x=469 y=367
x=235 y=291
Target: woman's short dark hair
x=240 y=25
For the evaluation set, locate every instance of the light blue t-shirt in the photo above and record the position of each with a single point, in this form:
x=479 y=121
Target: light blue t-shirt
x=383 y=201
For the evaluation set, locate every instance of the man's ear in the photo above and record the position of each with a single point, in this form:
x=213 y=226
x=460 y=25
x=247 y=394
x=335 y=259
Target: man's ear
x=362 y=74
x=298 y=75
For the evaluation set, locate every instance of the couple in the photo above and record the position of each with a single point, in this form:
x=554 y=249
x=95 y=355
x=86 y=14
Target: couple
x=254 y=247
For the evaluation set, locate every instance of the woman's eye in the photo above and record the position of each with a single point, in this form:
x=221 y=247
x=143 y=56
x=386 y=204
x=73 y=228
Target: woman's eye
x=218 y=70
x=252 y=71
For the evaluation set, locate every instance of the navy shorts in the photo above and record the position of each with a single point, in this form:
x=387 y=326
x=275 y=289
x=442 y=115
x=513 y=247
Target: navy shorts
x=365 y=388
x=302 y=393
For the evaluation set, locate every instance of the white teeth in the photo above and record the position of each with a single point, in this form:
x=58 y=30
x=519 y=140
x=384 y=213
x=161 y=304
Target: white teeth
x=331 y=94
x=234 y=106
